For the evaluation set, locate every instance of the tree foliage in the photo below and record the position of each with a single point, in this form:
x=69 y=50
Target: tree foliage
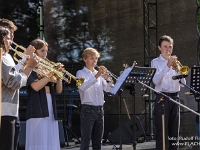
x=23 y=13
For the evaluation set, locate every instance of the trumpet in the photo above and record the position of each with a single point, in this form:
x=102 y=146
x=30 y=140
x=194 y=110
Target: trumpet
x=46 y=64
x=110 y=74
x=79 y=81
x=179 y=68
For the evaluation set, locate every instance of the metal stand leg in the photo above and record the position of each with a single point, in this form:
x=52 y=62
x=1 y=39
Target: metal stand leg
x=163 y=122
x=74 y=135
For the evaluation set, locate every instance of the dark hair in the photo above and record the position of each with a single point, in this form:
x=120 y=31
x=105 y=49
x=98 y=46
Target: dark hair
x=8 y=24
x=165 y=38
x=38 y=43
x=3 y=32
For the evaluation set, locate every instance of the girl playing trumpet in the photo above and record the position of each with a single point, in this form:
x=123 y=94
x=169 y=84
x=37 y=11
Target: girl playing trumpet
x=42 y=126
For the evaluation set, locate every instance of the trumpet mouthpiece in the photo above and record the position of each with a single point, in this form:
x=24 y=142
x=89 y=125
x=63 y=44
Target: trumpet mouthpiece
x=96 y=66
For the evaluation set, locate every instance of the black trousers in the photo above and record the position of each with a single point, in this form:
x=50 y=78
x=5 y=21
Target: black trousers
x=172 y=121
x=92 y=126
x=7 y=133
x=17 y=131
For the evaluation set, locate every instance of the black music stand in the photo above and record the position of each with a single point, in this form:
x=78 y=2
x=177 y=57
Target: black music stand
x=163 y=131
x=195 y=88
x=71 y=68
x=117 y=89
x=195 y=84
x=145 y=75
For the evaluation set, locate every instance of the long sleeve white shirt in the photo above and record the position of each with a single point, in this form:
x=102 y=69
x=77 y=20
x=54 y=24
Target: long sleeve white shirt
x=92 y=90
x=20 y=65
x=163 y=77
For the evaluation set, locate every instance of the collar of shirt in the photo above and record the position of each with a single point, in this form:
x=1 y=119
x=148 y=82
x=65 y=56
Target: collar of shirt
x=162 y=58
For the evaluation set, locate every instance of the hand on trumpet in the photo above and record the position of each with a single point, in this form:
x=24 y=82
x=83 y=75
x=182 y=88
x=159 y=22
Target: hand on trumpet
x=30 y=51
x=48 y=74
x=59 y=66
x=32 y=61
x=31 y=56
x=172 y=62
x=102 y=71
x=30 y=64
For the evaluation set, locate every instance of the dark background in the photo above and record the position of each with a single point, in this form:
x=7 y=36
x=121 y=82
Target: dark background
x=116 y=29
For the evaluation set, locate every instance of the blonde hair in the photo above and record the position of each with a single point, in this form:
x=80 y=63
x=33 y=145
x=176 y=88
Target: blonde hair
x=90 y=52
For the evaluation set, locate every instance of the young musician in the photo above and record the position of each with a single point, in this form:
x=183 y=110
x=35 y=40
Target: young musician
x=29 y=51
x=92 y=100
x=42 y=126
x=12 y=81
x=164 y=83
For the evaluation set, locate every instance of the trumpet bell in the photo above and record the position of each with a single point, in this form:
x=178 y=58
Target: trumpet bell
x=79 y=82
x=184 y=70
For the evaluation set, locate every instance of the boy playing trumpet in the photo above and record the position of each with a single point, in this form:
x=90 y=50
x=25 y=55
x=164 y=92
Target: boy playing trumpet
x=92 y=100
x=164 y=83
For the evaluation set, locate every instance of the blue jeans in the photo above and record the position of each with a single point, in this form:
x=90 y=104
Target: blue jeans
x=92 y=126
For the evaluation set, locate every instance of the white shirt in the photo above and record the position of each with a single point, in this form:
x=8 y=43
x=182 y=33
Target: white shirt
x=20 y=65
x=163 y=77
x=91 y=91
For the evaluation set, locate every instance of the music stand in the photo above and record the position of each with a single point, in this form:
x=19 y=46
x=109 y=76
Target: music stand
x=195 y=87
x=145 y=75
x=71 y=68
x=162 y=103
x=195 y=83
x=117 y=89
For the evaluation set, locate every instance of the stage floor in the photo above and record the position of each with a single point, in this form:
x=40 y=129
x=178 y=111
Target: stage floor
x=108 y=146
x=150 y=145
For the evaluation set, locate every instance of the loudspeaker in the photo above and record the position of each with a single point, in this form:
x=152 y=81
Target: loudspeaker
x=22 y=135
x=127 y=133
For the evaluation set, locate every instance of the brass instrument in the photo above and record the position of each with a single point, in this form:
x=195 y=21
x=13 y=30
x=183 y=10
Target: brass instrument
x=24 y=55
x=49 y=65
x=179 y=68
x=110 y=74
x=61 y=74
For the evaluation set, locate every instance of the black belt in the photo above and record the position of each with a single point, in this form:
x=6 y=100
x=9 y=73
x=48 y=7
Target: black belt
x=92 y=107
x=170 y=94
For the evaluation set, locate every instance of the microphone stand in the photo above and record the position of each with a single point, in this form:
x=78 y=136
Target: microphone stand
x=170 y=100
x=197 y=98
x=196 y=93
x=133 y=92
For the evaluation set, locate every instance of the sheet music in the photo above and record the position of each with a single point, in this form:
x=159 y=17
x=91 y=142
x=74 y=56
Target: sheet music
x=120 y=80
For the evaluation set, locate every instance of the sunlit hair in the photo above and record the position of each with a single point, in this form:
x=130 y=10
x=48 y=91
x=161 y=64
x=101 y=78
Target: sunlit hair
x=38 y=43
x=8 y=24
x=165 y=38
x=3 y=32
x=90 y=52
